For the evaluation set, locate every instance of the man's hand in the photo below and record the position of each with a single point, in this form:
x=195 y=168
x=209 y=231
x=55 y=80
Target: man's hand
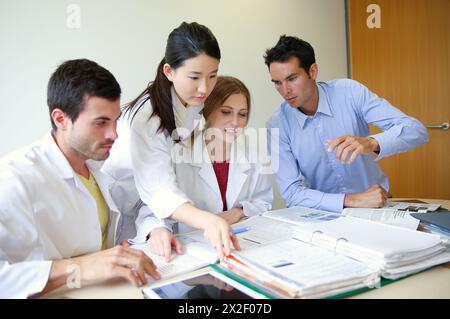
x=232 y=215
x=356 y=145
x=119 y=261
x=161 y=242
x=374 y=197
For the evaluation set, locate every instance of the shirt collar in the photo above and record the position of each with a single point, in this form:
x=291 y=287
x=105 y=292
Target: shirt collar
x=324 y=103
x=323 y=107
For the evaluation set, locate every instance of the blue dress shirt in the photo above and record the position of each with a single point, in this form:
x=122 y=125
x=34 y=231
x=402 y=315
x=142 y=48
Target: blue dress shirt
x=307 y=175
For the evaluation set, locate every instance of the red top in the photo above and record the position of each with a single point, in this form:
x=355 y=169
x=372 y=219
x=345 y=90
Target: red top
x=221 y=170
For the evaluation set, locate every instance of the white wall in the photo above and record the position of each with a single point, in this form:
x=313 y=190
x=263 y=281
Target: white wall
x=128 y=38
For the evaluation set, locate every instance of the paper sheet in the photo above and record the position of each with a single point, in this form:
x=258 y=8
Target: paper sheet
x=385 y=216
x=301 y=215
x=306 y=266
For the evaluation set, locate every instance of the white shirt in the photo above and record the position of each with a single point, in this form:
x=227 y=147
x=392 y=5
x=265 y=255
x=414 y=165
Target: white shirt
x=141 y=163
x=46 y=214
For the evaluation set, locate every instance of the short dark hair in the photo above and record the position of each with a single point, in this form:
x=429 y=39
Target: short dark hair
x=289 y=46
x=76 y=80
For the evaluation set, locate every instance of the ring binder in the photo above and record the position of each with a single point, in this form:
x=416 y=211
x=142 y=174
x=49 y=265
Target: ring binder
x=312 y=236
x=337 y=242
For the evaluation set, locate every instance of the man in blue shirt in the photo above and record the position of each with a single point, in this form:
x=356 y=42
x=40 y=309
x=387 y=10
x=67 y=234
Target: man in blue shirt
x=320 y=136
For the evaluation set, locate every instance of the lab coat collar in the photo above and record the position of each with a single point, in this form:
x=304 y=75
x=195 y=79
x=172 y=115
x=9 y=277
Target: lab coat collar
x=55 y=155
x=62 y=168
x=186 y=118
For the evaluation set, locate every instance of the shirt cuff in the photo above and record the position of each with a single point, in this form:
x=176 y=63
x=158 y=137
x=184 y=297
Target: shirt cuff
x=332 y=202
x=386 y=143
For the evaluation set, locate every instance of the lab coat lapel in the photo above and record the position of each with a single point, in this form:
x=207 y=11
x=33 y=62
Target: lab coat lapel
x=104 y=182
x=237 y=174
x=63 y=169
x=206 y=170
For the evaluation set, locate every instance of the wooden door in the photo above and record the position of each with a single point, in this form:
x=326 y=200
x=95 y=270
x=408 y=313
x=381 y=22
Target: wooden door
x=407 y=61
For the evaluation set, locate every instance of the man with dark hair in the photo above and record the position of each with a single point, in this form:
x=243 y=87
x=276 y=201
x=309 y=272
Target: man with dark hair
x=57 y=218
x=320 y=135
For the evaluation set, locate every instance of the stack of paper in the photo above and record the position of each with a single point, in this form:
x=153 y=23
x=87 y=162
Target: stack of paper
x=395 y=251
x=294 y=269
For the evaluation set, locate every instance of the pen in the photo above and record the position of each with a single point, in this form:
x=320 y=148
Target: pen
x=240 y=230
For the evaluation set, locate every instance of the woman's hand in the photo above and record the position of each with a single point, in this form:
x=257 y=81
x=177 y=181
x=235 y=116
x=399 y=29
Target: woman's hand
x=232 y=215
x=219 y=234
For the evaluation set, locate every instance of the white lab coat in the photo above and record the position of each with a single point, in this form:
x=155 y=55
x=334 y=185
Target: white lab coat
x=248 y=187
x=141 y=164
x=46 y=214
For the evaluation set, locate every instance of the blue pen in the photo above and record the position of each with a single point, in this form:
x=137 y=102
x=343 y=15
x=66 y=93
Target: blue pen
x=240 y=230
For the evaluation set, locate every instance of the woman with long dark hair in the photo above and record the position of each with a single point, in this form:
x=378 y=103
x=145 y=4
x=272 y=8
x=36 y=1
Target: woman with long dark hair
x=164 y=114
x=220 y=171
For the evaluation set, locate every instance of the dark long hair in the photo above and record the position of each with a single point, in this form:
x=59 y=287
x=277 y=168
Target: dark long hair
x=187 y=41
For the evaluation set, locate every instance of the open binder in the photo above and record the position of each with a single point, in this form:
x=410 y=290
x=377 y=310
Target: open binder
x=351 y=254
x=295 y=254
x=397 y=252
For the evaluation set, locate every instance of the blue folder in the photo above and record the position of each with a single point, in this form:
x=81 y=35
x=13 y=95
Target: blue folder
x=438 y=218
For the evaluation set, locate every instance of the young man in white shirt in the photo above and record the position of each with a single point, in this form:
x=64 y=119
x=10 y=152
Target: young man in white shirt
x=58 y=222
